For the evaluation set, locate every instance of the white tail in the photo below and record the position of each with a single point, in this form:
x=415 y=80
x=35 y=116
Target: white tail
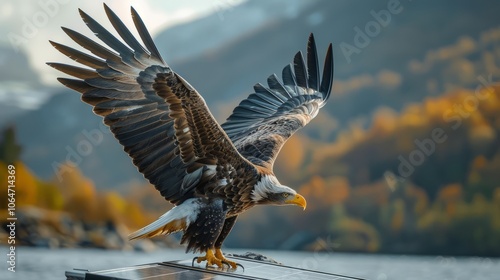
x=177 y=219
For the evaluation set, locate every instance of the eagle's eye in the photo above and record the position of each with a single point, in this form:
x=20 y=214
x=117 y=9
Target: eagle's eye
x=285 y=195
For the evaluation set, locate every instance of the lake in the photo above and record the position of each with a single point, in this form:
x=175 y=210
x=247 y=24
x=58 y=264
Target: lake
x=44 y=264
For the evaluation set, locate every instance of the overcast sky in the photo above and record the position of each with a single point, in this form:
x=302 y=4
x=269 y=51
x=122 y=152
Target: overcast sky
x=27 y=25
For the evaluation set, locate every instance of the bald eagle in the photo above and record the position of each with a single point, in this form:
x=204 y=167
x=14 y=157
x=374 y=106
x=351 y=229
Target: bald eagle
x=210 y=172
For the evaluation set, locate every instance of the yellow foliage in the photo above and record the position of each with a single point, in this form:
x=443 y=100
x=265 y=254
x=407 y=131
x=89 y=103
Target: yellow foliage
x=112 y=206
x=491 y=104
x=496 y=209
x=3 y=178
x=429 y=219
x=73 y=183
x=30 y=191
x=135 y=216
x=413 y=116
x=480 y=205
x=384 y=122
x=481 y=136
x=496 y=195
x=474 y=177
x=356 y=235
x=420 y=196
x=80 y=195
x=398 y=216
x=49 y=196
x=129 y=210
x=26 y=186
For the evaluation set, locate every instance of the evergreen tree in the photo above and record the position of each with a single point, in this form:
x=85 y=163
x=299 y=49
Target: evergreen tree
x=10 y=150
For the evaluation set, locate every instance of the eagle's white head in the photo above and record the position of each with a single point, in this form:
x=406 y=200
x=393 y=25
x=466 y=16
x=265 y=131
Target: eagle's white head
x=268 y=190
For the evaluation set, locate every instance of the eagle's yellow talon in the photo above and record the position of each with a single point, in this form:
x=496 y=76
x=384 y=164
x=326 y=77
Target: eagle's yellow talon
x=220 y=256
x=210 y=259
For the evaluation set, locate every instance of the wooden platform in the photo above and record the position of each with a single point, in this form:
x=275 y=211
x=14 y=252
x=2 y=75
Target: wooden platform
x=183 y=270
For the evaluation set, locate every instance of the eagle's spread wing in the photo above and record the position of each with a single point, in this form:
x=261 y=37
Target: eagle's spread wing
x=162 y=122
x=262 y=123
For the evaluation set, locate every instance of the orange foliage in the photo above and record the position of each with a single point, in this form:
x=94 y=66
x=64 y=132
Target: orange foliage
x=321 y=192
x=451 y=209
x=384 y=121
x=450 y=193
x=376 y=193
x=416 y=121
x=77 y=195
x=339 y=190
x=291 y=155
x=150 y=199
x=479 y=162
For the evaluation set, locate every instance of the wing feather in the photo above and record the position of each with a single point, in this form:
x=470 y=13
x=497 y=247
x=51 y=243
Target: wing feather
x=327 y=80
x=288 y=76
x=162 y=121
x=276 y=85
x=139 y=52
x=300 y=70
x=125 y=53
x=260 y=125
x=146 y=37
x=75 y=71
x=90 y=45
x=312 y=64
x=79 y=56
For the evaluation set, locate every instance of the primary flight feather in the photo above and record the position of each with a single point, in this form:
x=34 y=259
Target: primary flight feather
x=211 y=172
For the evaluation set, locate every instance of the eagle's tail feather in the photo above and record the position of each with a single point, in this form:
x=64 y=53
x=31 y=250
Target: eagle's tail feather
x=177 y=219
x=156 y=228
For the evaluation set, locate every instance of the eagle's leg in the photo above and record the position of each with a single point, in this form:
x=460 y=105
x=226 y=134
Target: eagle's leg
x=228 y=225
x=202 y=233
x=210 y=258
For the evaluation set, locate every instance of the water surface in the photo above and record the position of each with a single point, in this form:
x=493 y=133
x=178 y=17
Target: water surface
x=44 y=264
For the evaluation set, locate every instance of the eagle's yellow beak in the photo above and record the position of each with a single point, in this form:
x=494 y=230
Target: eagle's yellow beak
x=297 y=200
